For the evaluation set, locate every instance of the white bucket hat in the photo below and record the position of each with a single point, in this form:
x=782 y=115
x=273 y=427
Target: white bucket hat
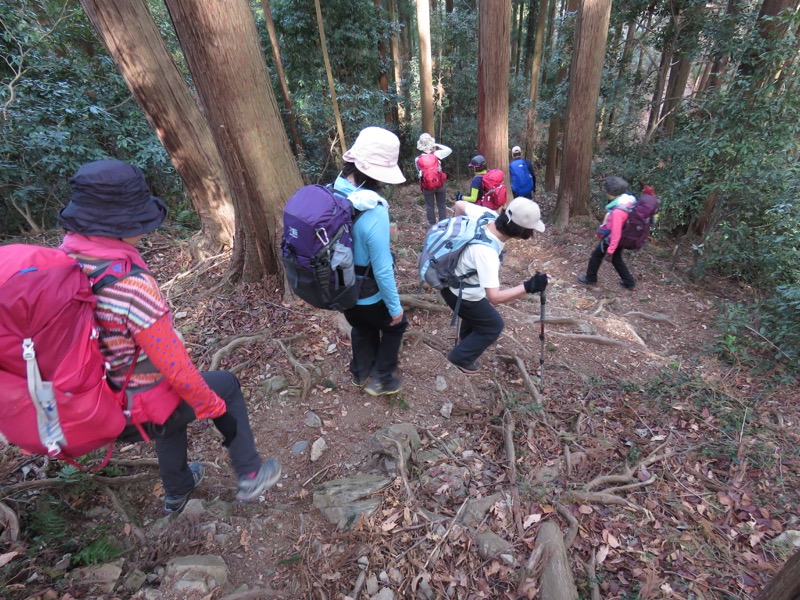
x=525 y=213
x=375 y=154
x=426 y=143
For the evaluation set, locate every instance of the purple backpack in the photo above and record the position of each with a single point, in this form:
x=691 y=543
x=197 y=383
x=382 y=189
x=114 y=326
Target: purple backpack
x=317 y=247
x=637 y=228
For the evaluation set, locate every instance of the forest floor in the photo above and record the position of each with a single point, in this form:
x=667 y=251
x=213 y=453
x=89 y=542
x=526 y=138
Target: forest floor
x=670 y=472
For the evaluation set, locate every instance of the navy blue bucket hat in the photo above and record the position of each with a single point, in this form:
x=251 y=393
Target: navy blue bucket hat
x=110 y=198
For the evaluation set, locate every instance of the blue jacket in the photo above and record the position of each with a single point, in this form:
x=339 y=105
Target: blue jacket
x=371 y=243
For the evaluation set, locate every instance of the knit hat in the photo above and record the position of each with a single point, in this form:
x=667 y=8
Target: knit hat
x=426 y=143
x=110 y=198
x=525 y=213
x=375 y=154
x=516 y=151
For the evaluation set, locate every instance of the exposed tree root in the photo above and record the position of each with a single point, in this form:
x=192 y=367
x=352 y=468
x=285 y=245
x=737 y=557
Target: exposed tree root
x=654 y=317
x=50 y=483
x=235 y=343
x=301 y=370
x=593 y=339
x=526 y=380
x=413 y=301
x=137 y=532
x=511 y=457
x=557 y=582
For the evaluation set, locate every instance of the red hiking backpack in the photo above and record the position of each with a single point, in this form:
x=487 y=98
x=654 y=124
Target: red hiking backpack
x=636 y=230
x=56 y=399
x=495 y=194
x=431 y=175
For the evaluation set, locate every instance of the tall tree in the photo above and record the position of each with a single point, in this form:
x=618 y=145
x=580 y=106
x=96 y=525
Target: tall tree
x=530 y=133
x=397 y=61
x=287 y=99
x=494 y=35
x=127 y=29
x=566 y=36
x=586 y=70
x=769 y=30
x=425 y=65
x=389 y=111
x=220 y=42
x=328 y=71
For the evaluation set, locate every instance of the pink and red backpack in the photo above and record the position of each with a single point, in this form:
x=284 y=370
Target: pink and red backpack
x=56 y=399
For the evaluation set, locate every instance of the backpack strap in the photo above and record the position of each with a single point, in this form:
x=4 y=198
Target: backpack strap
x=103 y=282
x=480 y=238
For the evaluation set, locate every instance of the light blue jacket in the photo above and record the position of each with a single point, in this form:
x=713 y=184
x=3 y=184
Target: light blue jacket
x=371 y=243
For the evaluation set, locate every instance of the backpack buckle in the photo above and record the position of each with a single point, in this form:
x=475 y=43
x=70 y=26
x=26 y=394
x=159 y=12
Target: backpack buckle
x=28 y=353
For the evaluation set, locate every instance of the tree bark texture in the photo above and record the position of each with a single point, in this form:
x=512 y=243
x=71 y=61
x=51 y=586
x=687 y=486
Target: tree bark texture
x=494 y=34
x=556 y=581
x=221 y=46
x=425 y=65
x=770 y=30
x=586 y=70
x=530 y=133
x=397 y=63
x=287 y=99
x=786 y=584
x=134 y=42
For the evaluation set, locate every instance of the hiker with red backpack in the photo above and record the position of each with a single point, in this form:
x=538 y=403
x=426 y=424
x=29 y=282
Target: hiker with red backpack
x=432 y=180
x=612 y=234
x=377 y=320
x=477 y=272
x=146 y=362
x=486 y=188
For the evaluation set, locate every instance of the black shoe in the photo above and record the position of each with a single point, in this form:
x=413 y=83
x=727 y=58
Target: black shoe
x=626 y=286
x=175 y=504
x=360 y=382
x=384 y=388
x=582 y=279
x=469 y=369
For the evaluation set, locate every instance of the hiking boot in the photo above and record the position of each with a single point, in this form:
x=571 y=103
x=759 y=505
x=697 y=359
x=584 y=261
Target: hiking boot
x=384 y=388
x=175 y=504
x=253 y=485
x=583 y=279
x=626 y=286
x=469 y=369
x=360 y=382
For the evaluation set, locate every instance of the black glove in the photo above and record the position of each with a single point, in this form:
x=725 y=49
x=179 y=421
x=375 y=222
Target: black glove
x=226 y=424
x=608 y=257
x=459 y=196
x=537 y=283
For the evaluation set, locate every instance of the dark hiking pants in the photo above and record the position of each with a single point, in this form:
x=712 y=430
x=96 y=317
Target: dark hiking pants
x=376 y=343
x=481 y=325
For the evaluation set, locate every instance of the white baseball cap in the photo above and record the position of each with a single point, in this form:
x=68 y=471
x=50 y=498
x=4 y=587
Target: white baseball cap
x=525 y=213
x=516 y=150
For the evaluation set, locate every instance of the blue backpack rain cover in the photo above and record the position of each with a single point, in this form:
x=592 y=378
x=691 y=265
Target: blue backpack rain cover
x=521 y=179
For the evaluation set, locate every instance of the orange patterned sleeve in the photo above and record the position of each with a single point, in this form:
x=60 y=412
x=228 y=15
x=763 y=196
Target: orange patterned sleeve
x=168 y=354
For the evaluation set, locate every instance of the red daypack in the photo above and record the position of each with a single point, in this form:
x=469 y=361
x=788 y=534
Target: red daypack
x=431 y=175
x=495 y=194
x=56 y=399
x=636 y=230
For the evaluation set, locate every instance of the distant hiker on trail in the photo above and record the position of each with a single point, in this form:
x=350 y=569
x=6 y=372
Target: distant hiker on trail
x=481 y=324
x=110 y=211
x=523 y=179
x=478 y=167
x=377 y=319
x=610 y=233
x=432 y=180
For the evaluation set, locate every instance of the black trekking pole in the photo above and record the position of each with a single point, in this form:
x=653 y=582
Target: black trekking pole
x=541 y=337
